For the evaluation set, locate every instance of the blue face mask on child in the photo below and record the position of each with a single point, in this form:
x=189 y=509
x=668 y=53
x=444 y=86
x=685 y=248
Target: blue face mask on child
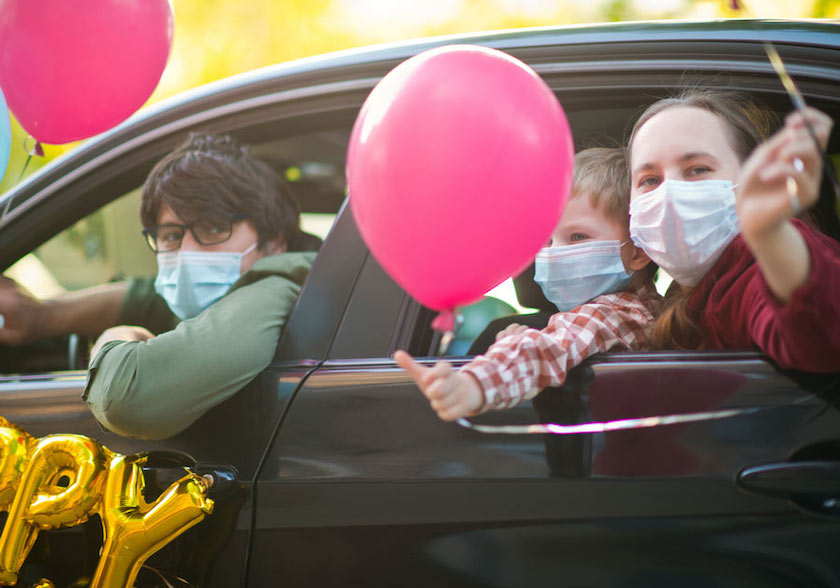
x=570 y=275
x=190 y=281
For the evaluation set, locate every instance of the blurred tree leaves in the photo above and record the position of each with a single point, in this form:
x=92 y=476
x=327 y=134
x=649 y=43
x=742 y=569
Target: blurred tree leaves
x=218 y=38
x=826 y=9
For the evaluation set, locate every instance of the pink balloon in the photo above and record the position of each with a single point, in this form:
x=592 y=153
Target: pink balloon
x=72 y=69
x=459 y=166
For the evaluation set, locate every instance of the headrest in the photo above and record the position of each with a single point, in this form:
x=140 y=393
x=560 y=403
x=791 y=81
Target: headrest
x=529 y=293
x=305 y=242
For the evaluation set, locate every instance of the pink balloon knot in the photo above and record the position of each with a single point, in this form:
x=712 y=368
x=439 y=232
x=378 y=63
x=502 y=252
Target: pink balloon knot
x=33 y=149
x=735 y=4
x=445 y=321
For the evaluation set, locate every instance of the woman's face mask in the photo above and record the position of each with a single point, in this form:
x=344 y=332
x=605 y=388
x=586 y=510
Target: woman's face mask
x=684 y=227
x=685 y=223
x=190 y=281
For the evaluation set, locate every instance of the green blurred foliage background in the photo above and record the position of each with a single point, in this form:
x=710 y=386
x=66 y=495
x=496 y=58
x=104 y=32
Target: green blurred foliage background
x=218 y=38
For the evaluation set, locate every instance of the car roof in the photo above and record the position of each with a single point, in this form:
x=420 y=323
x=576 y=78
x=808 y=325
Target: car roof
x=654 y=50
x=812 y=33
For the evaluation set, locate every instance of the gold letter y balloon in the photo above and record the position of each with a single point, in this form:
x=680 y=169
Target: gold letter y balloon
x=133 y=529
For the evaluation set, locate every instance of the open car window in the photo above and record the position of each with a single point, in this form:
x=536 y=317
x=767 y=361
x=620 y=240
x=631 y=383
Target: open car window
x=595 y=124
x=107 y=245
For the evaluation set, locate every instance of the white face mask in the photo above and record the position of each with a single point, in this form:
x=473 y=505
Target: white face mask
x=190 y=281
x=685 y=226
x=570 y=275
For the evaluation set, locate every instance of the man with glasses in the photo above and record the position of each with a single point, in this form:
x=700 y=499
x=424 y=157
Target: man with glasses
x=222 y=224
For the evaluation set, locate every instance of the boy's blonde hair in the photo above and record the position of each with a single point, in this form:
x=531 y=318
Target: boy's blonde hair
x=601 y=172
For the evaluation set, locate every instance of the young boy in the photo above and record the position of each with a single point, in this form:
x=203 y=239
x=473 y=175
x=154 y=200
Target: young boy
x=592 y=272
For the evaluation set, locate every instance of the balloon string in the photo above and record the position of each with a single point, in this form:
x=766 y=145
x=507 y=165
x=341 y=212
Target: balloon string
x=164 y=579
x=36 y=149
x=793 y=93
x=798 y=102
x=447 y=323
x=643 y=422
x=20 y=177
x=607 y=426
x=445 y=341
x=25 y=165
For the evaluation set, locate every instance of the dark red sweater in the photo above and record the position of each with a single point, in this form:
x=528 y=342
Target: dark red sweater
x=738 y=311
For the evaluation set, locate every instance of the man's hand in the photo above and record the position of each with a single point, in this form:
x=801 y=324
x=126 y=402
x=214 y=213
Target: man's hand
x=512 y=329
x=88 y=311
x=23 y=314
x=121 y=333
x=451 y=393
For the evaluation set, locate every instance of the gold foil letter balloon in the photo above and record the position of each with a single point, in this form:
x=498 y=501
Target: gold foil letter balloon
x=60 y=480
x=14 y=453
x=15 y=445
x=133 y=529
x=60 y=487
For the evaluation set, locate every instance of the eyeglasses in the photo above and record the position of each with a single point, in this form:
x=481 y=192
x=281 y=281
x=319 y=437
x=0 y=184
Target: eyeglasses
x=168 y=236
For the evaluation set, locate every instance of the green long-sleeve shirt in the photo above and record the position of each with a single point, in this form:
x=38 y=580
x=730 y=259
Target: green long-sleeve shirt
x=156 y=388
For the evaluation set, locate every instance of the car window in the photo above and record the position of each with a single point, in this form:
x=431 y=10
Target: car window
x=107 y=244
x=590 y=129
x=317 y=223
x=104 y=246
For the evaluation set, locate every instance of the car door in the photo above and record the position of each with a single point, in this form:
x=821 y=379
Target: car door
x=304 y=140
x=364 y=485
x=698 y=468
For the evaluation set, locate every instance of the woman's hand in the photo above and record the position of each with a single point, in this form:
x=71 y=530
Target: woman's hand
x=451 y=393
x=782 y=176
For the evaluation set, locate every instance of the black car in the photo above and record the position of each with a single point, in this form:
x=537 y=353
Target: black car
x=331 y=467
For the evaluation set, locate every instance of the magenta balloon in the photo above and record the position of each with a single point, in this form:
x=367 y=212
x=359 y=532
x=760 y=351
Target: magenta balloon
x=458 y=168
x=71 y=69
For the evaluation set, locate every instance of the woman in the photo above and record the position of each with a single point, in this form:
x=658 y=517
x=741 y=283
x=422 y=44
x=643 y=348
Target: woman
x=716 y=208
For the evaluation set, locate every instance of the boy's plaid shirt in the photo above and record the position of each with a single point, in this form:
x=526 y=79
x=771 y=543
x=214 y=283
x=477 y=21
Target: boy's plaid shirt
x=519 y=366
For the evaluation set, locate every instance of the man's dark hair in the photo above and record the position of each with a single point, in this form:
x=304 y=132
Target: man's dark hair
x=213 y=177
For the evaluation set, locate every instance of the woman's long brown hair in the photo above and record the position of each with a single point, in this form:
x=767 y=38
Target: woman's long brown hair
x=677 y=327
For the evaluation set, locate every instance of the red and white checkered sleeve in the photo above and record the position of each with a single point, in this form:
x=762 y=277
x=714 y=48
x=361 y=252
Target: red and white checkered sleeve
x=519 y=366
